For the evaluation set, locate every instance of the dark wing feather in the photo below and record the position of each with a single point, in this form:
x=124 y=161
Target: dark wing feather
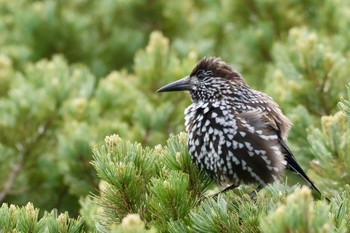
x=293 y=165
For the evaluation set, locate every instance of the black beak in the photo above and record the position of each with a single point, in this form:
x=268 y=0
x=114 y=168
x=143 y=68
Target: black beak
x=179 y=85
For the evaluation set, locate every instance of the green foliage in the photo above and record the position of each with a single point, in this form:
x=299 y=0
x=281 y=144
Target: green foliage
x=169 y=198
x=32 y=114
x=43 y=28
x=331 y=148
x=299 y=214
x=167 y=201
x=340 y=210
x=309 y=74
x=124 y=169
x=314 y=71
x=145 y=188
x=135 y=180
x=131 y=224
x=26 y=219
x=49 y=123
x=344 y=104
x=174 y=159
x=72 y=72
x=6 y=71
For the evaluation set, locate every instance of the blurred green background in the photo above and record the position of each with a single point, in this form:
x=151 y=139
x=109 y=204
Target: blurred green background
x=74 y=71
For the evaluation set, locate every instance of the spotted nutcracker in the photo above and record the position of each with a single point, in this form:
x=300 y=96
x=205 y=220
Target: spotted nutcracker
x=235 y=134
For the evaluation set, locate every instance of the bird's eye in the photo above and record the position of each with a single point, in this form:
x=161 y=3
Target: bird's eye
x=200 y=74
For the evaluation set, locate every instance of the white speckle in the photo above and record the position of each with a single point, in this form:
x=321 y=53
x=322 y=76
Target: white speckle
x=226 y=130
x=206 y=160
x=196 y=142
x=235 y=160
x=216 y=132
x=243 y=121
x=206 y=137
x=192 y=149
x=235 y=177
x=211 y=146
x=248 y=145
x=199 y=117
x=240 y=145
x=244 y=165
x=222 y=161
x=242 y=133
x=220 y=120
x=230 y=154
x=214 y=114
x=250 y=128
x=216 y=104
x=266 y=159
x=234 y=143
x=268 y=137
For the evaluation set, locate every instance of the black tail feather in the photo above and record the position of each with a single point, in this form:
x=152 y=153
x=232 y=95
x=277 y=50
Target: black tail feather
x=293 y=165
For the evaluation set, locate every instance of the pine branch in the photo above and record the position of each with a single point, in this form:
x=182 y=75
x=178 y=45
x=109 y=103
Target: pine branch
x=16 y=168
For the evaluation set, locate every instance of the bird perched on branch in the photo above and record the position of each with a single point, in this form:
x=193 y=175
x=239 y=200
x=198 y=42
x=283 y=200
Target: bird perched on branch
x=237 y=135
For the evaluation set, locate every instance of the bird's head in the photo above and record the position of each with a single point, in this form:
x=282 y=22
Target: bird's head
x=211 y=80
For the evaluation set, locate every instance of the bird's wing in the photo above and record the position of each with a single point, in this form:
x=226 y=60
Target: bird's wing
x=258 y=145
x=292 y=164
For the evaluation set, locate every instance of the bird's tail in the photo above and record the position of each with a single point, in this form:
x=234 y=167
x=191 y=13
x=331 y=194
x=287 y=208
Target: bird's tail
x=293 y=165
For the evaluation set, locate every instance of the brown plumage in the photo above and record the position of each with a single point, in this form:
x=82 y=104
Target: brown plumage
x=235 y=134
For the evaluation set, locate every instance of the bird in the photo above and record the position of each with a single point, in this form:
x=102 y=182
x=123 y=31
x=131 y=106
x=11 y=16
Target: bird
x=236 y=135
